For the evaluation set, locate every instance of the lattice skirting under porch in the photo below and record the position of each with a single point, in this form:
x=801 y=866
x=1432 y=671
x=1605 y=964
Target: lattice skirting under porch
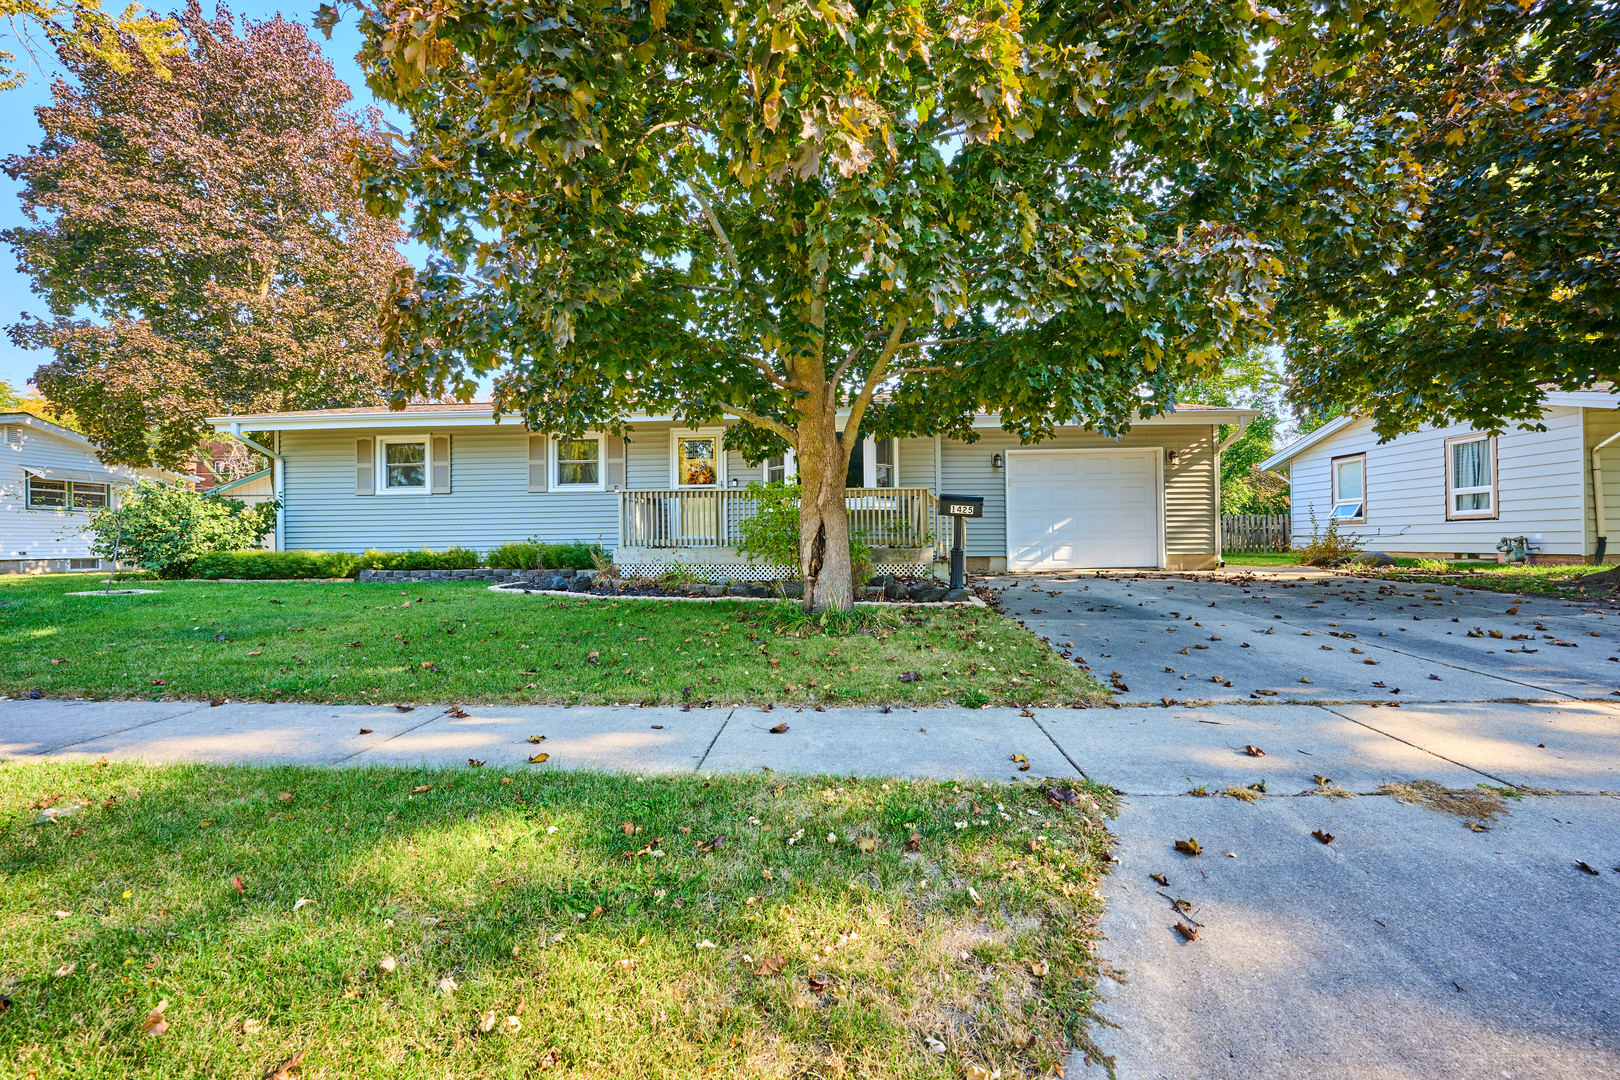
x=750 y=571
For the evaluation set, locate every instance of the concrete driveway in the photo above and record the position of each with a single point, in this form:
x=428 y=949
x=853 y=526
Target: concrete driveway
x=1410 y=945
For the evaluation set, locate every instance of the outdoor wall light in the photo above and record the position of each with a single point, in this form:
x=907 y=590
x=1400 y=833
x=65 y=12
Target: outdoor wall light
x=996 y=461
x=733 y=482
x=1171 y=456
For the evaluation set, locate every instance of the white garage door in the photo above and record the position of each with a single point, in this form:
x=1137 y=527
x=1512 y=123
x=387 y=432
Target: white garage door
x=1082 y=509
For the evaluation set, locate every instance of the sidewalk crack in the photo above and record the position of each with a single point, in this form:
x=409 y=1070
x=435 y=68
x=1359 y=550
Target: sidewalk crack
x=1072 y=763
x=699 y=766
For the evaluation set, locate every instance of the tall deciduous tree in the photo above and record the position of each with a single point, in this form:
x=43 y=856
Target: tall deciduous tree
x=1509 y=285
x=825 y=219
x=200 y=240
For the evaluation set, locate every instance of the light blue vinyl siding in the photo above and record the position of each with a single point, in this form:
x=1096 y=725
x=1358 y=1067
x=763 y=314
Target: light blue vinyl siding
x=1189 y=498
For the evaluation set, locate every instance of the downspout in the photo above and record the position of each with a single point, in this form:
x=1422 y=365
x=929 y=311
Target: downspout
x=278 y=473
x=1220 y=529
x=1600 y=519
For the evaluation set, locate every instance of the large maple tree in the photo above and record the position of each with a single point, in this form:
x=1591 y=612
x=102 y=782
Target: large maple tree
x=827 y=219
x=200 y=239
x=1509 y=283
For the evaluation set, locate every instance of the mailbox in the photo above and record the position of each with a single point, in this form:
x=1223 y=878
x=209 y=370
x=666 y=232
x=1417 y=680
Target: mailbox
x=962 y=505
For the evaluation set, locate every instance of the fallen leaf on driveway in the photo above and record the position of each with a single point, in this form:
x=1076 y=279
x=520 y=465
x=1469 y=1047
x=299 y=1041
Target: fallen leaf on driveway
x=1161 y=879
x=1587 y=868
x=1254 y=751
x=365 y=731
x=1322 y=835
x=537 y=759
x=1190 y=846
x=779 y=729
x=475 y=763
x=1186 y=931
x=457 y=711
x=537 y=738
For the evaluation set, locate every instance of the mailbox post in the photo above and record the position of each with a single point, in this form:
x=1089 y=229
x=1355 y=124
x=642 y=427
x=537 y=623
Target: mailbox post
x=959 y=508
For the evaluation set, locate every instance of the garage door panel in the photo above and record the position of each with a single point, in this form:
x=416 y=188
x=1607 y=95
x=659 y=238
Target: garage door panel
x=1078 y=509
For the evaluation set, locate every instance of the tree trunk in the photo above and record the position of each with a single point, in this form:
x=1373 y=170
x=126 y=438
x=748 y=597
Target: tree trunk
x=823 y=514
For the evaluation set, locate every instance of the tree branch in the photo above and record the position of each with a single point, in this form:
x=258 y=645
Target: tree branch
x=719 y=230
x=896 y=372
x=875 y=377
x=923 y=343
x=762 y=421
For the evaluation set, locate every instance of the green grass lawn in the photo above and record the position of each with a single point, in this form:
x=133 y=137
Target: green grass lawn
x=1260 y=558
x=1497 y=577
x=307 y=641
x=377 y=922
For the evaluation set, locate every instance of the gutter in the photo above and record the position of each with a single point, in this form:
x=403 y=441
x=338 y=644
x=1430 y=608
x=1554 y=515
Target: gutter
x=1601 y=520
x=1220 y=531
x=278 y=473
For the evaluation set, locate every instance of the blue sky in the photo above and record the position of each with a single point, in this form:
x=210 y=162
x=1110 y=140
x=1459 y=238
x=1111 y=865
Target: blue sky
x=19 y=131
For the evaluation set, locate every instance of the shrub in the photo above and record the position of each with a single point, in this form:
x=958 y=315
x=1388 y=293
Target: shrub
x=167 y=529
x=575 y=555
x=1330 y=547
x=266 y=565
x=452 y=558
x=771 y=533
x=520 y=556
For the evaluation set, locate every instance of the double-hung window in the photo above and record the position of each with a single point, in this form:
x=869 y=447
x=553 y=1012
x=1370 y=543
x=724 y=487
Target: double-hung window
x=1350 y=488
x=779 y=468
x=46 y=494
x=1471 y=477
x=873 y=464
x=579 y=464
x=404 y=465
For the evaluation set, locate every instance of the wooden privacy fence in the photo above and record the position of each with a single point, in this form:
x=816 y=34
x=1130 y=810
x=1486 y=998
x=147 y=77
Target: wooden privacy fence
x=1255 y=532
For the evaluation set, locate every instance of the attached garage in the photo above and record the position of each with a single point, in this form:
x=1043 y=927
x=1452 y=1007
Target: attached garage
x=1084 y=509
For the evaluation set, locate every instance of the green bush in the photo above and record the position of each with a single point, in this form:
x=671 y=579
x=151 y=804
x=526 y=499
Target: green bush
x=522 y=556
x=574 y=555
x=267 y=565
x=167 y=529
x=452 y=558
x=771 y=533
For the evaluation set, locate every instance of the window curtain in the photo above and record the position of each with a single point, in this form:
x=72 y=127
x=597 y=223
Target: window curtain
x=1471 y=468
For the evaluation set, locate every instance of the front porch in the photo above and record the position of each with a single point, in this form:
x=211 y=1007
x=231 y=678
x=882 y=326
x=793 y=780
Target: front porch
x=699 y=529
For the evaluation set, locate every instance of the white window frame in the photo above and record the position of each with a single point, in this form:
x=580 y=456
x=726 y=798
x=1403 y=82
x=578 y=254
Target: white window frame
x=381 y=485
x=69 y=488
x=1452 y=491
x=557 y=483
x=869 y=462
x=719 y=437
x=789 y=466
x=1334 y=502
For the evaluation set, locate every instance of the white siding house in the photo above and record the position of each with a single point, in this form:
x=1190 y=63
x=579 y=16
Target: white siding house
x=1454 y=492
x=50 y=482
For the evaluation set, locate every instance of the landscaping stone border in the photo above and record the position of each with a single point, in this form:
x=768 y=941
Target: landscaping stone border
x=482 y=573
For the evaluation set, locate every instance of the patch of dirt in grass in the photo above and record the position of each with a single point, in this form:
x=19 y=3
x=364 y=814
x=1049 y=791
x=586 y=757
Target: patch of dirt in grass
x=1474 y=803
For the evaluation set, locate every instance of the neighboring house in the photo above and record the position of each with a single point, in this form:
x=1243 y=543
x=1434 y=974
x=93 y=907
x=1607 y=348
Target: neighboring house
x=436 y=475
x=1453 y=492
x=50 y=483
x=252 y=489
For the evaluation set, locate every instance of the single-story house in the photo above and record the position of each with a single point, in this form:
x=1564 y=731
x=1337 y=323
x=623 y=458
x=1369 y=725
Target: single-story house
x=50 y=482
x=1453 y=492
x=667 y=494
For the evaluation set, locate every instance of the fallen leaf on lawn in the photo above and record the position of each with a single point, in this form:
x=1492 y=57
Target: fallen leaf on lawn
x=933 y=1044
x=285 y=796
x=537 y=738
x=1322 y=835
x=236 y=883
x=865 y=844
x=155 y=1022
x=1161 y=879
x=445 y=987
x=593 y=657
x=973 y=894
x=1190 y=846
x=627 y=828
x=817 y=983
x=486 y=1022
x=1186 y=931
x=285 y=1070
x=1039 y=969
x=387 y=965
x=1254 y=751
x=627 y=964
x=770 y=965
x=511 y=1024
x=301 y=901
x=67 y=969
x=419 y=788
x=706 y=944
x=914 y=842
x=537 y=759
x=910 y=676
x=252 y=1026
x=779 y=729
x=979 y=1072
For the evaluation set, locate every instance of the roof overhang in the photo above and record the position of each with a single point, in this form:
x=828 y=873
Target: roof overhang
x=1326 y=431
x=483 y=416
x=80 y=476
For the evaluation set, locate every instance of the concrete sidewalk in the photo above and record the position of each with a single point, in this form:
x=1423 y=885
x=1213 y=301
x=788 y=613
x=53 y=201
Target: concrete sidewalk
x=1409 y=946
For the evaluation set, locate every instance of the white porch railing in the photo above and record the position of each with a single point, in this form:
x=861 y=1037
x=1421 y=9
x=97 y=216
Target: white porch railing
x=710 y=518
